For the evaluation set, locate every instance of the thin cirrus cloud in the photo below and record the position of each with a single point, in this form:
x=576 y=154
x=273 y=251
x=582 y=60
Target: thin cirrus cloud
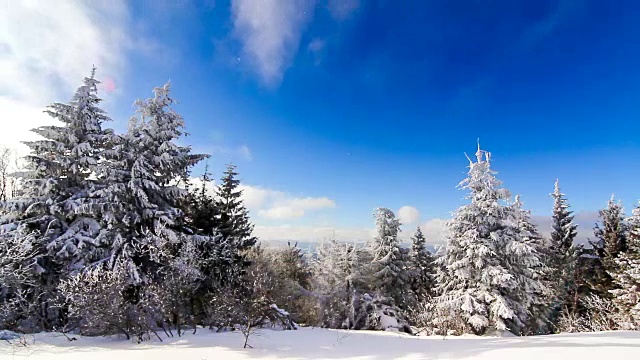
x=343 y=9
x=269 y=32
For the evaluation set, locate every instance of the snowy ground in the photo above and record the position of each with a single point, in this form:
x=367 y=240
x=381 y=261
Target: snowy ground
x=310 y=343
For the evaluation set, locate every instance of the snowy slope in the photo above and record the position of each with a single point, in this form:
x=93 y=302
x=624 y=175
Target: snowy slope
x=308 y=343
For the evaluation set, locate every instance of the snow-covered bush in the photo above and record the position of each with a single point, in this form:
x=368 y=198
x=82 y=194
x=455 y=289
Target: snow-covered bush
x=377 y=312
x=600 y=314
x=17 y=278
x=180 y=280
x=102 y=301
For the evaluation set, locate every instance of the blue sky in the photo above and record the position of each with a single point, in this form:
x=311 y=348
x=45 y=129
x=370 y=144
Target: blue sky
x=332 y=108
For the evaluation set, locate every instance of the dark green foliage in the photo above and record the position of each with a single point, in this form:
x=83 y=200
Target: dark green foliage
x=421 y=268
x=611 y=235
x=232 y=218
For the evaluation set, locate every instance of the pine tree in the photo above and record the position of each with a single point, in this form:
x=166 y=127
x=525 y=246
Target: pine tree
x=388 y=262
x=564 y=230
x=231 y=221
x=201 y=208
x=626 y=275
x=611 y=241
x=540 y=312
x=140 y=204
x=564 y=254
x=422 y=267
x=50 y=206
x=612 y=235
x=233 y=217
x=485 y=277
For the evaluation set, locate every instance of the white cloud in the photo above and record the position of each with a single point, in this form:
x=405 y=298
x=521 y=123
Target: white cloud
x=256 y=197
x=285 y=207
x=273 y=204
x=434 y=231
x=408 y=215
x=270 y=32
x=47 y=48
x=281 y=212
x=278 y=205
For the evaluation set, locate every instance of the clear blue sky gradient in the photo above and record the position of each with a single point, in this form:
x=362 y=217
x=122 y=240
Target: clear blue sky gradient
x=383 y=114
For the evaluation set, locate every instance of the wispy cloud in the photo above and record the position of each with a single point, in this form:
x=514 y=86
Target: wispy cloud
x=47 y=48
x=270 y=31
x=245 y=152
x=343 y=9
x=539 y=31
x=316 y=49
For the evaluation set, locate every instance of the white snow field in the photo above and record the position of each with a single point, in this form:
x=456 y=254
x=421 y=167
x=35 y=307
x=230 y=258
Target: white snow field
x=308 y=343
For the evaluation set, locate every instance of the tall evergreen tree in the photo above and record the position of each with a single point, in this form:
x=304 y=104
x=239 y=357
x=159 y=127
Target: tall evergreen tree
x=140 y=204
x=611 y=236
x=55 y=188
x=564 y=230
x=233 y=217
x=540 y=311
x=388 y=260
x=200 y=208
x=626 y=275
x=564 y=254
x=422 y=267
x=233 y=225
x=485 y=277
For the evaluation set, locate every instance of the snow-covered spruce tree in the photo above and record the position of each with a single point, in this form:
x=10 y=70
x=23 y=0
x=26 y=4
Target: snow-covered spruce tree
x=55 y=188
x=611 y=236
x=140 y=204
x=232 y=223
x=540 y=298
x=233 y=217
x=564 y=257
x=626 y=276
x=388 y=261
x=421 y=268
x=485 y=277
x=223 y=216
x=200 y=207
x=383 y=278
